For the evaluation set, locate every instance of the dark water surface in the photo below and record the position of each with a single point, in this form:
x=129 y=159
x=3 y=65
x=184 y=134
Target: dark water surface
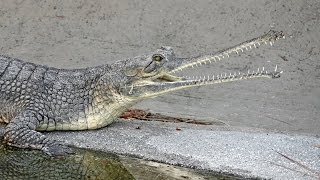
x=30 y=164
x=87 y=164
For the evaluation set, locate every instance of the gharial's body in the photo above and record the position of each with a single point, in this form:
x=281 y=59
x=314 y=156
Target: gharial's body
x=38 y=98
x=61 y=99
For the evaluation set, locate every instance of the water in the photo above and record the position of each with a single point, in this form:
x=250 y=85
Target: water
x=86 y=164
x=30 y=164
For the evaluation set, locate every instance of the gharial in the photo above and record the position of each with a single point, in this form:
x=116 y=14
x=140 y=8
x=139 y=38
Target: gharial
x=37 y=98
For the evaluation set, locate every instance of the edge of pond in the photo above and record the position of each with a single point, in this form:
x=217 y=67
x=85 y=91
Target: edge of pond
x=246 y=152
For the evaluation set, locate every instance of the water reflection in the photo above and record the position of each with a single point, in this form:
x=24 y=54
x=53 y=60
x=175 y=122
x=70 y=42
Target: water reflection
x=86 y=164
x=28 y=164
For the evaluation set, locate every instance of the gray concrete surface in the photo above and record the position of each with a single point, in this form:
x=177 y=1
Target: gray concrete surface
x=246 y=152
x=86 y=33
x=240 y=151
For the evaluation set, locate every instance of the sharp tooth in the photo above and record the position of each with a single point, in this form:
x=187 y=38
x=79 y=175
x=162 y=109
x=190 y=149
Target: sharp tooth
x=236 y=51
x=250 y=46
x=227 y=55
x=131 y=89
x=275 y=69
x=255 y=46
x=210 y=61
x=258 y=43
x=270 y=43
x=241 y=49
x=265 y=42
x=214 y=58
x=212 y=77
x=262 y=69
x=218 y=57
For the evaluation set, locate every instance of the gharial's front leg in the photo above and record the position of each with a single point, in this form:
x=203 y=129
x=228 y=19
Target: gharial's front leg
x=20 y=132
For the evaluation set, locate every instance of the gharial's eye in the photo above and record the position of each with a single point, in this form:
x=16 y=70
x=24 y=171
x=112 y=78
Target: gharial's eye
x=157 y=57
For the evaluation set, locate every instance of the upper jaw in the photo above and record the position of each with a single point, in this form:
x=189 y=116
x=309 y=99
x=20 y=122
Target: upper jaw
x=269 y=38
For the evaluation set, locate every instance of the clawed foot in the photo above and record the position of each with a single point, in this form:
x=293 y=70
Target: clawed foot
x=57 y=149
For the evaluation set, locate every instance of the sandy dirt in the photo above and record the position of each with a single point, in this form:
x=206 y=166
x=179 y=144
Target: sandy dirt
x=78 y=34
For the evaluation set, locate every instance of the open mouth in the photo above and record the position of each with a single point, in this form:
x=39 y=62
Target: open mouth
x=167 y=81
x=269 y=38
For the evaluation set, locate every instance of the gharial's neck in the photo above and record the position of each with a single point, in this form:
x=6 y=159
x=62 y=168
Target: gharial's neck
x=97 y=101
x=107 y=105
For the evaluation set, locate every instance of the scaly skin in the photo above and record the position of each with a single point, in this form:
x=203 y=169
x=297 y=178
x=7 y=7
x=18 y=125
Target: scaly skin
x=39 y=98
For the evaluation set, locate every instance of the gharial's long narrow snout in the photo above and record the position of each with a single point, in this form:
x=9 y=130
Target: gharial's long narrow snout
x=167 y=81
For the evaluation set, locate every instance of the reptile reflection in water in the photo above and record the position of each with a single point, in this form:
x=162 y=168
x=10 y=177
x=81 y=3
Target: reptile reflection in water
x=22 y=164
